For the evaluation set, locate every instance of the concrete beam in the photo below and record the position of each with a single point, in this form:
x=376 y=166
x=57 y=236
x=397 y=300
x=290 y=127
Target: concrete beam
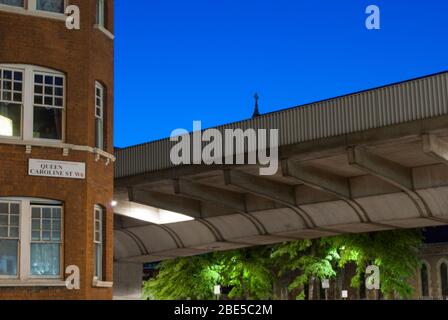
x=259 y=186
x=166 y=201
x=317 y=179
x=392 y=172
x=198 y=191
x=435 y=147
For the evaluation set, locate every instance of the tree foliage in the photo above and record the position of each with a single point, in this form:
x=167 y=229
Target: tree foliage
x=247 y=272
x=184 y=278
x=395 y=252
x=250 y=273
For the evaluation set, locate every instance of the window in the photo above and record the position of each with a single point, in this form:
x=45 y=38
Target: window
x=11 y=101
x=32 y=103
x=30 y=239
x=57 y=6
x=444 y=279
x=46 y=238
x=9 y=238
x=424 y=278
x=48 y=106
x=100 y=13
x=99 y=116
x=48 y=6
x=16 y=3
x=98 y=242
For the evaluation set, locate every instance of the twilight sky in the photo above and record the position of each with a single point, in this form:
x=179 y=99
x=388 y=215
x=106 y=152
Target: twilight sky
x=177 y=61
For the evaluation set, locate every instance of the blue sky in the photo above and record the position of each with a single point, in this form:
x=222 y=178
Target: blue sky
x=177 y=61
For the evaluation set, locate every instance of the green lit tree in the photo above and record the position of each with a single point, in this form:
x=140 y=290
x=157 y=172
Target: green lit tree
x=248 y=273
x=395 y=252
x=184 y=278
x=311 y=259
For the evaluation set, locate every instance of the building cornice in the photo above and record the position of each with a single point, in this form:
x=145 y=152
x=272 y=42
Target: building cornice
x=65 y=147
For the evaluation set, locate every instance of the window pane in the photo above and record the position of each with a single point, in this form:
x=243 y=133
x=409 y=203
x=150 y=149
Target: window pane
x=10 y=119
x=14 y=220
x=59 y=81
x=7 y=96
x=38 y=89
x=17 y=3
x=46 y=235
x=8 y=257
x=56 y=225
x=45 y=259
x=35 y=225
x=99 y=139
x=7 y=85
x=4 y=208
x=14 y=232
x=58 y=91
x=14 y=208
x=56 y=236
x=7 y=74
x=35 y=235
x=99 y=261
x=3 y=220
x=58 y=102
x=3 y=232
x=38 y=78
x=46 y=213
x=47 y=123
x=56 y=213
x=51 y=5
x=46 y=224
x=35 y=212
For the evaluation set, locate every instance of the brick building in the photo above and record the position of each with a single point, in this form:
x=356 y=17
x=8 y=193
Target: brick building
x=56 y=149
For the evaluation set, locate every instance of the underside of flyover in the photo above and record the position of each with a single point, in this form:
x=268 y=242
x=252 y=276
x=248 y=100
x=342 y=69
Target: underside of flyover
x=370 y=161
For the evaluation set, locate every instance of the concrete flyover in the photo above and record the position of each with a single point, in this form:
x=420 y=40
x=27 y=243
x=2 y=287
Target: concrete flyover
x=369 y=161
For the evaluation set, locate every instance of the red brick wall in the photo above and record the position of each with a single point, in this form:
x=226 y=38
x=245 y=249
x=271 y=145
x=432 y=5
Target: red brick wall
x=85 y=56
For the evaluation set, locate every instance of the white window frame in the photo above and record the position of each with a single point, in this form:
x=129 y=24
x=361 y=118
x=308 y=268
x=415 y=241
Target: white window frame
x=98 y=209
x=99 y=116
x=100 y=13
x=27 y=124
x=18 y=240
x=60 y=242
x=31 y=9
x=5 y=68
x=24 y=257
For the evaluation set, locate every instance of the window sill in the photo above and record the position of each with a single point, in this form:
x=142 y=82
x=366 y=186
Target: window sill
x=34 y=13
x=102 y=284
x=32 y=283
x=109 y=34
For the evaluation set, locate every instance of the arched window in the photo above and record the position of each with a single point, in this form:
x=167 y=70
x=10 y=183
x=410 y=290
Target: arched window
x=443 y=269
x=32 y=103
x=424 y=280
